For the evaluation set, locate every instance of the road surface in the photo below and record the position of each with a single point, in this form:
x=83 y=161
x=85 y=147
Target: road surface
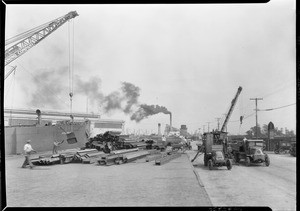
x=256 y=185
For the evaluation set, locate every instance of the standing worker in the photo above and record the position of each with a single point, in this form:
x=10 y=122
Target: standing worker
x=28 y=151
x=56 y=144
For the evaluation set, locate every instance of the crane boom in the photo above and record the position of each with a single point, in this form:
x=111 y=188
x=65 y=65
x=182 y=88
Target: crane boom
x=233 y=102
x=37 y=35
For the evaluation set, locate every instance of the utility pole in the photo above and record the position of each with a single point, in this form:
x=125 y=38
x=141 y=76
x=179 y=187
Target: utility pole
x=208 y=126
x=218 y=119
x=256 y=99
x=203 y=128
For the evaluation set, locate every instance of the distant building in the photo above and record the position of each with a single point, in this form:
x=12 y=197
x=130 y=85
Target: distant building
x=183 y=130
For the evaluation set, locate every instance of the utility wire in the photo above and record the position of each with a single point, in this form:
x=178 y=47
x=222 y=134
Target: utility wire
x=270 y=109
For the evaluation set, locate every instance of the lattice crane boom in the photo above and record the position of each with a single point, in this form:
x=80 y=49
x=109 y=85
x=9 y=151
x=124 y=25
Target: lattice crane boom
x=34 y=37
x=233 y=102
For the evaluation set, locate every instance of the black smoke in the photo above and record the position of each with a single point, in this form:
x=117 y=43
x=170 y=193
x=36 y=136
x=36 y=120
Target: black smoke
x=50 y=86
x=148 y=110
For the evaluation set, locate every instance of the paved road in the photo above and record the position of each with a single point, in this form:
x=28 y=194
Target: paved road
x=138 y=183
x=256 y=185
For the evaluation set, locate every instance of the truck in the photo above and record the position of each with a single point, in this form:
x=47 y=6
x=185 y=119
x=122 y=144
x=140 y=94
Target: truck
x=293 y=150
x=215 y=150
x=215 y=144
x=250 y=151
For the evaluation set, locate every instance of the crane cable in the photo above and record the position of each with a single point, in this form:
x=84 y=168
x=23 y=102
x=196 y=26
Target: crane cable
x=9 y=86
x=71 y=66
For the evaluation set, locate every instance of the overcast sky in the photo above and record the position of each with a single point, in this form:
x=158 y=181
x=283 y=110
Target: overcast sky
x=188 y=59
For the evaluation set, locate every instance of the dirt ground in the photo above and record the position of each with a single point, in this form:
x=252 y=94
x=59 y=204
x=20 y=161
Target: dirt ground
x=137 y=183
x=256 y=185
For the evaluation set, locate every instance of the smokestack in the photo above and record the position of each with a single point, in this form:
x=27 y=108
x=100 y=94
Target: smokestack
x=39 y=116
x=170 y=121
x=159 y=133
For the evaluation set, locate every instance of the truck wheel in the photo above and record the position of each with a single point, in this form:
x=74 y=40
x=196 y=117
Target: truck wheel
x=228 y=164
x=247 y=161
x=267 y=160
x=210 y=165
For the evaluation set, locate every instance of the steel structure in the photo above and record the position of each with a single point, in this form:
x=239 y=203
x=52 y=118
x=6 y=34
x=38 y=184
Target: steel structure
x=50 y=113
x=233 y=102
x=33 y=37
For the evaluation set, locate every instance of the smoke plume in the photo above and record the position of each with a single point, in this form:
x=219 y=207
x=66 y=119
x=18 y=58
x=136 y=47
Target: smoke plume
x=132 y=94
x=124 y=99
x=91 y=89
x=49 y=87
x=52 y=84
x=147 y=110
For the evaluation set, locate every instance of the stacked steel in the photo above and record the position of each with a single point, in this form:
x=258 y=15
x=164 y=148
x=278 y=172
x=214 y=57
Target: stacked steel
x=129 y=157
x=43 y=160
x=109 y=159
x=122 y=156
x=67 y=157
x=87 y=155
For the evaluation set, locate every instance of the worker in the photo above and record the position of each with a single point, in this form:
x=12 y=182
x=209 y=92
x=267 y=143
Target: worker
x=28 y=151
x=56 y=144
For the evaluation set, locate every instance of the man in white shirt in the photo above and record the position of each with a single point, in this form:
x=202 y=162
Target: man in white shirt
x=27 y=151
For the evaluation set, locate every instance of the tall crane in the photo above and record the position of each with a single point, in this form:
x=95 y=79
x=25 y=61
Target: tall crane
x=30 y=38
x=217 y=140
x=233 y=102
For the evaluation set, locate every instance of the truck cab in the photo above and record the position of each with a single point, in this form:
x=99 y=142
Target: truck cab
x=251 y=151
x=215 y=150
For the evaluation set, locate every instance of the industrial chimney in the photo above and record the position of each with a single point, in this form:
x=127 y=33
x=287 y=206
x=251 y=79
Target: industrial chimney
x=159 y=133
x=39 y=116
x=170 y=121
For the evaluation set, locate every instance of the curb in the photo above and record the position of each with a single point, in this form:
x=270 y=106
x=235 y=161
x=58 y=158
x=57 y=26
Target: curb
x=199 y=180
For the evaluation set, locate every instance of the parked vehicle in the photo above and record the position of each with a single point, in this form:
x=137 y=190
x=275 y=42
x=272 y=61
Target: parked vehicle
x=251 y=151
x=282 y=147
x=293 y=149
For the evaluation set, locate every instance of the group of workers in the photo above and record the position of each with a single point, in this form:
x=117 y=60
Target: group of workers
x=28 y=150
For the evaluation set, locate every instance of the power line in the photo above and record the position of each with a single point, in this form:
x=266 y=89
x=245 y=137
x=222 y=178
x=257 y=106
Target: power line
x=270 y=109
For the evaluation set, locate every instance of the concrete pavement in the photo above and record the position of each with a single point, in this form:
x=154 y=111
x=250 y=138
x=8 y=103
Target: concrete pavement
x=138 y=183
x=256 y=185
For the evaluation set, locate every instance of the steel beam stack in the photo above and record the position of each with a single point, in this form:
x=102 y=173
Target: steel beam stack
x=129 y=157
